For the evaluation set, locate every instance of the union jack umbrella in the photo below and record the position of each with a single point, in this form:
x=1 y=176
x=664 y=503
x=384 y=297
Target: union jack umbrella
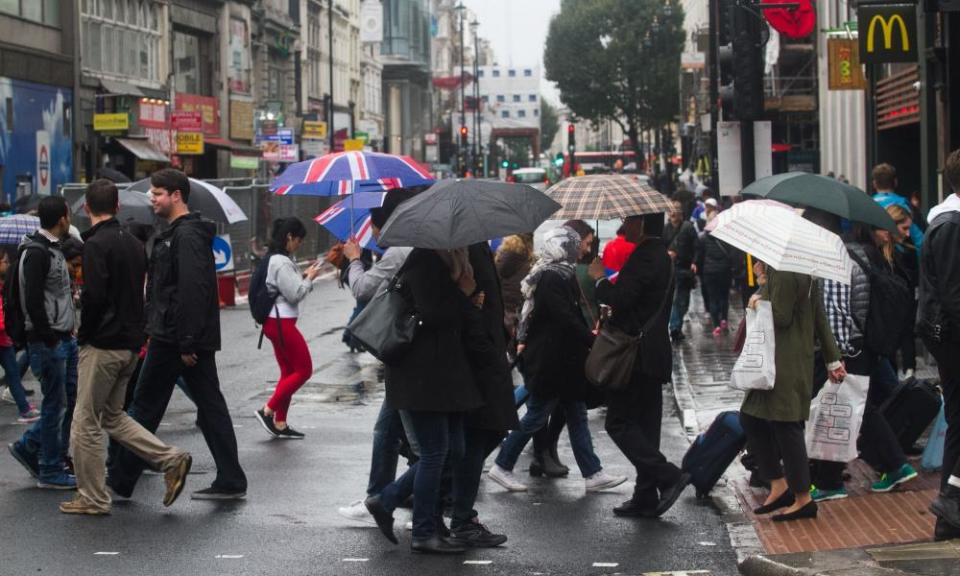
x=14 y=228
x=337 y=219
x=343 y=173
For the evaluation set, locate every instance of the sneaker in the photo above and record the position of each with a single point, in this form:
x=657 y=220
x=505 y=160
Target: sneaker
x=26 y=460
x=888 y=482
x=357 y=512
x=819 y=495
x=267 y=423
x=603 y=481
x=718 y=331
x=214 y=493
x=31 y=415
x=82 y=506
x=288 y=433
x=176 y=478
x=62 y=481
x=506 y=479
x=475 y=535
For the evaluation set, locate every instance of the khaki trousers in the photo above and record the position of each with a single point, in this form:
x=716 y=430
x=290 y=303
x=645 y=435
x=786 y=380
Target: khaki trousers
x=101 y=388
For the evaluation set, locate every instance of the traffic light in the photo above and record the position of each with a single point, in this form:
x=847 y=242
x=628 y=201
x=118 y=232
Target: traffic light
x=741 y=61
x=464 y=131
x=558 y=160
x=505 y=164
x=571 y=137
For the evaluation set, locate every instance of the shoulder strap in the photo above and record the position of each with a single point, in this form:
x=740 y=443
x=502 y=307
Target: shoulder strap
x=864 y=265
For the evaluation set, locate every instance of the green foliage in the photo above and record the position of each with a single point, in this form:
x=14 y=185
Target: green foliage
x=618 y=60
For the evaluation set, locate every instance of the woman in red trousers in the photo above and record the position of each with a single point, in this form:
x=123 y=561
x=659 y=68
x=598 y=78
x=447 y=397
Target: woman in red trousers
x=291 y=286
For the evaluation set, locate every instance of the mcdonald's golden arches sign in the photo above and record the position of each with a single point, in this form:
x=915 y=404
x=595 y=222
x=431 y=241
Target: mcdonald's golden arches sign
x=888 y=32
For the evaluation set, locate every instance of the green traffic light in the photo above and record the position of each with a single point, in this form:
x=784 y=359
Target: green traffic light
x=505 y=164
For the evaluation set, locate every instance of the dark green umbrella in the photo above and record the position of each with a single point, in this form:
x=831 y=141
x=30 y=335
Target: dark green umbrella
x=827 y=194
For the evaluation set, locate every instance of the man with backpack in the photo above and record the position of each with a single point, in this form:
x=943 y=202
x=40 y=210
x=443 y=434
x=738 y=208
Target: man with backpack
x=111 y=334
x=940 y=328
x=44 y=320
x=183 y=322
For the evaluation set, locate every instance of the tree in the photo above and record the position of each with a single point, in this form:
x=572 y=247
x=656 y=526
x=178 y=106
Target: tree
x=549 y=124
x=618 y=60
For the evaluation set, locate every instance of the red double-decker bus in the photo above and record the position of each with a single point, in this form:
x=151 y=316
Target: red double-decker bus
x=603 y=162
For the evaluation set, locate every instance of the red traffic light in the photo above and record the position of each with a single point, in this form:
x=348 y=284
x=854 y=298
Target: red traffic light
x=463 y=130
x=571 y=128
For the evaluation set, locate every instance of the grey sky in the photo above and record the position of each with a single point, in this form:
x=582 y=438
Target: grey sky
x=517 y=29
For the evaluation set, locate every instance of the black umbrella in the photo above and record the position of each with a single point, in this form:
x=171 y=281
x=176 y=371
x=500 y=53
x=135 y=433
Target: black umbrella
x=27 y=203
x=205 y=198
x=134 y=207
x=457 y=213
x=116 y=176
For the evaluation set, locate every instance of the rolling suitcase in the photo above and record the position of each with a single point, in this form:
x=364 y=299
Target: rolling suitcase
x=911 y=410
x=713 y=451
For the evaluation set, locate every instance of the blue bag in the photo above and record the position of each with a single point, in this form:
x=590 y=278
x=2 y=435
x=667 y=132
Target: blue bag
x=933 y=453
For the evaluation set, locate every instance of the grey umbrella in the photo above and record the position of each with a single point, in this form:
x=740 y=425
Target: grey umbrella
x=457 y=213
x=134 y=207
x=205 y=198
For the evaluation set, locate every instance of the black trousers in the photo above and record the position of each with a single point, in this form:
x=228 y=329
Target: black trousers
x=477 y=446
x=773 y=442
x=947 y=355
x=547 y=437
x=633 y=422
x=161 y=368
x=879 y=446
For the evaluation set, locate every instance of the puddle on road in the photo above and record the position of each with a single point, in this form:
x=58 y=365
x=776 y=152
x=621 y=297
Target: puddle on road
x=345 y=379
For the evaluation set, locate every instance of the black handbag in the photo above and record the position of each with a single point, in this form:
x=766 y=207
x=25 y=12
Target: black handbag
x=388 y=323
x=613 y=356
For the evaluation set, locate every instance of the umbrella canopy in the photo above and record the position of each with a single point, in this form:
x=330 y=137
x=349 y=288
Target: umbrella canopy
x=344 y=173
x=134 y=207
x=827 y=194
x=27 y=203
x=606 y=196
x=337 y=219
x=782 y=238
x=14 y=228
x=205 y=198
x=117 y=176
x=457 y=213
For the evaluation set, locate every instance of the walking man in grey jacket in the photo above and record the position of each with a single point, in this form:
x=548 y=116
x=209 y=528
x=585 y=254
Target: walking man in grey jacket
x=46 y=304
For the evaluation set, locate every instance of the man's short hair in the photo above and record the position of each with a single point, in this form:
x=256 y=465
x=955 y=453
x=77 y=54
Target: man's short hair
x=51 y=210
x=951 y=171
x=884 y=177
x=172 y=180
x=102 y=197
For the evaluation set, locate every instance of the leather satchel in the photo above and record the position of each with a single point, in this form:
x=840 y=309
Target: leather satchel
x=614 y=354
x=388 y=324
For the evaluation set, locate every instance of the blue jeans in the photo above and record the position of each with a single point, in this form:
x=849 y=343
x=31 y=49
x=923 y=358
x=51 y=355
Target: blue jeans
x=538 y=411
x=681 y=303
x=43 y=439
x=440 y=435
x=8 y=360
x=72 y=359
x=387 y=435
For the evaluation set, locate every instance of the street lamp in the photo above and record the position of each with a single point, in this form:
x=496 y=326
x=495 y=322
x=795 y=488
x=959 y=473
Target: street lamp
x=463 y=116
x=476 y=93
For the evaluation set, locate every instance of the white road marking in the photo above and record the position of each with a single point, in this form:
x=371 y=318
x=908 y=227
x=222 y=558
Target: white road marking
x=538 y=503
x=605 y=564
x=238 y=425
x=354 y=560
x=477 y=562
x=229 y=556
x=679 y=573
x=707 y=543
x=106 y=553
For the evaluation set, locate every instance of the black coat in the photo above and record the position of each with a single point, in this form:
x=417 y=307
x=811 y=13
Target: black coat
x=643 y=285
x=940 y=279
x=486 y=342
x=435 y=375
x=558 y=340
x=114 y=270
x=717 y=257
x=183 y=307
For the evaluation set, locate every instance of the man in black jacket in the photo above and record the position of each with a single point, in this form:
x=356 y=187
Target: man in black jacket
x=634 y=414
x=680 y=238
x=43 y=292
x=183 y=322
x=940 y=328
x=111 y=335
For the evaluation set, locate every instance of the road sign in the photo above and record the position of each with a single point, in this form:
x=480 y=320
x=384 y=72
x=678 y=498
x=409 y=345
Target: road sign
x=189 y=143
x=111 y=122
x=43 y=162
x=188 y=121
x=222 y=253
x=314 y=130
x=353 y=144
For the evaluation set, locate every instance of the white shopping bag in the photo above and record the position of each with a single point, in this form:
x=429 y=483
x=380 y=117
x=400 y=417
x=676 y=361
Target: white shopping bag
x=835 y=418
x=756 y=367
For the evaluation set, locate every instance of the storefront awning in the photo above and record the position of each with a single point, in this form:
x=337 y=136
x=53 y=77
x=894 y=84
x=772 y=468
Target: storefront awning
x=231 y=145
x=121 y=88
x=143 y=150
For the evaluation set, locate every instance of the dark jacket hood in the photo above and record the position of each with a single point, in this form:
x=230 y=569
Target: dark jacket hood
x=196 y=224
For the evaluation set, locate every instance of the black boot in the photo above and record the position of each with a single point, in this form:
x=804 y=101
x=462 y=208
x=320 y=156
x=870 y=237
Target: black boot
x=946 y=506
x=543 y=465
x=943 y=531
x=556 y=458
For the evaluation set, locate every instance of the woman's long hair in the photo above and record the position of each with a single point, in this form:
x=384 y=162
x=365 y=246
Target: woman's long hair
x=283 y=228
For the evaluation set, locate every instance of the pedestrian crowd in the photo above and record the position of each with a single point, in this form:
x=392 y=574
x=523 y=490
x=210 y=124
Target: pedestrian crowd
x=112 y=324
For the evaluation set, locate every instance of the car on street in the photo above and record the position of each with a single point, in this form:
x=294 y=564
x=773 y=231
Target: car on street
x=536 y=177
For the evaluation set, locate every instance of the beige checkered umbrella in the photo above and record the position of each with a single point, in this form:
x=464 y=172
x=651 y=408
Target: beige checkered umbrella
x=605 y=197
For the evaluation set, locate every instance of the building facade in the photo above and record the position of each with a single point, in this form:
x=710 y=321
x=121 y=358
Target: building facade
x=405 y=53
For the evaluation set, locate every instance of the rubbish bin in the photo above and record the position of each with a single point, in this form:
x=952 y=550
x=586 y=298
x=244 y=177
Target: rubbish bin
x=227 y=289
